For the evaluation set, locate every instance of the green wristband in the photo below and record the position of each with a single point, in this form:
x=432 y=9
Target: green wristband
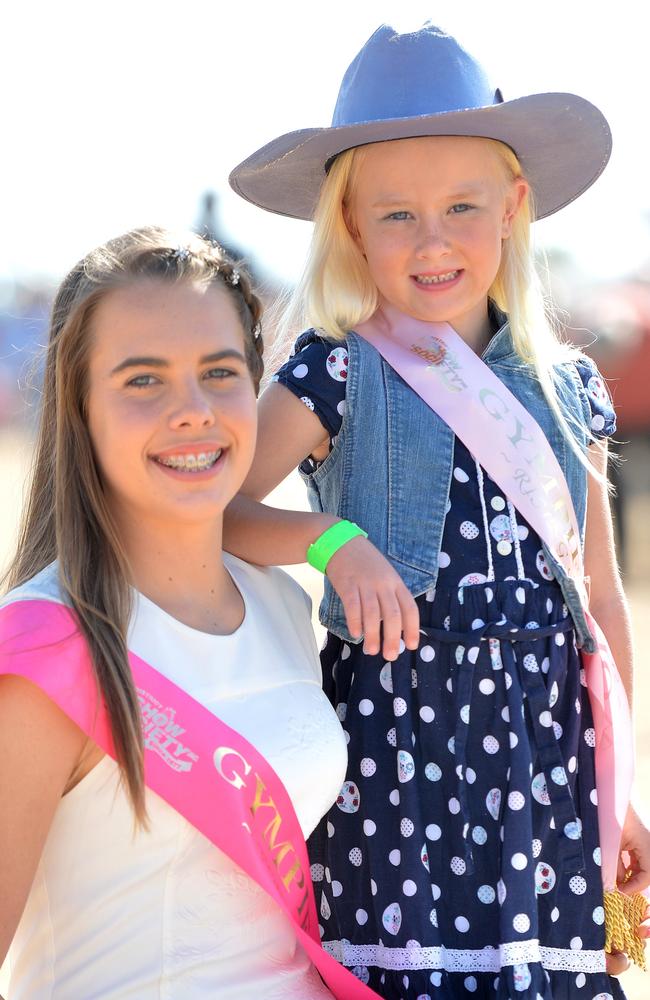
x=321 y=551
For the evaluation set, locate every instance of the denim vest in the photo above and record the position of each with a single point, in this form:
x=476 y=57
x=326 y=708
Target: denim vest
x=391 y=465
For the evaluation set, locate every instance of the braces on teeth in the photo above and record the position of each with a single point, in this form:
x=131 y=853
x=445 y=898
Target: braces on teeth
x=194 y=463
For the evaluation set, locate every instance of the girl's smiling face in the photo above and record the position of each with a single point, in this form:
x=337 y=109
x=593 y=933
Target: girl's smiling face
x=430 y=214
x=171 y=405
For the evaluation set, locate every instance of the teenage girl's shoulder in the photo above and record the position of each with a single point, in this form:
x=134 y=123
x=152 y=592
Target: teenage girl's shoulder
x=44 y=586
x=281 y=602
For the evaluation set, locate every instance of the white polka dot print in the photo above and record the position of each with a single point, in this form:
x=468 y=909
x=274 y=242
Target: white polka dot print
x=521 y=923
x=369 y=827
x=479 y=835
x=395 y=857
x=394 y=797
x=516 y=800
x=433 y=831
x=461 y=924
x=436 y=892
x=491 y=744
x=575 y=943
x=577 y=885
x=590 y=737
x=433 y=772
x=469 y=530
x=337 y=364
x=486 y=894
x=460 y=475
x=300 y=371
x=366 y=707
x=317 y=873
x=406 y=827
x=519 y=861
x=309 y=403
x=427 y=714
x=356 y=857
x=427 y=653
x=458 y=866
x=391 y=736
x=367 y=767
x=599 y=915
x=555 y=914
x=470 y=984
x=497 y=503
x=409 y=888
x=443 y=560
x=362 y=917
x=399 y=707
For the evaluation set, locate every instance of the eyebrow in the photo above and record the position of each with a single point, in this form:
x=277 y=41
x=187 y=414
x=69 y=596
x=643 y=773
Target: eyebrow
x=150 y=362
x=466 y=191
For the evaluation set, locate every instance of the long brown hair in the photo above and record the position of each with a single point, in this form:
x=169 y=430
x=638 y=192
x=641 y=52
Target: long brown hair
x=66 y=516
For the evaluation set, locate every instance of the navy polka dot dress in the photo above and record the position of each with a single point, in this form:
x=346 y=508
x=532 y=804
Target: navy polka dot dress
x=461 y=857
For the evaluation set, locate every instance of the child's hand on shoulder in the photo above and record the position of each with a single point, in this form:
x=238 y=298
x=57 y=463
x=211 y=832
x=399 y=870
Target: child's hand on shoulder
x=374 y=595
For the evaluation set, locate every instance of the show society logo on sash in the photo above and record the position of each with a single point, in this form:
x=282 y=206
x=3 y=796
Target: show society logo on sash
x=161 y=733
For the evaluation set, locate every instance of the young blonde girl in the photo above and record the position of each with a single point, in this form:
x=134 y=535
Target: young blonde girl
x=461 y=857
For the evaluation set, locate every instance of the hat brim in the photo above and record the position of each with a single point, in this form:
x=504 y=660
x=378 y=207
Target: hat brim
x=562 y=141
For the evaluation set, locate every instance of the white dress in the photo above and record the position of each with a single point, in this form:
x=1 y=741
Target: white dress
x=115 y=914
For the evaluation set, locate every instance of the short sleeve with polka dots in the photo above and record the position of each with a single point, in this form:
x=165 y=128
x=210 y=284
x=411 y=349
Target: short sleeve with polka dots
x=316 y=373
x=603 y=417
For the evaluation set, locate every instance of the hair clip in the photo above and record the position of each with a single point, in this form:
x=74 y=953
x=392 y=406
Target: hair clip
x=233 y=277
x=181 y=253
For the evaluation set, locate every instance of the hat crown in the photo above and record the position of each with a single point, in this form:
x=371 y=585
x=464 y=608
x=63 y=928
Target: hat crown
x=405 y=75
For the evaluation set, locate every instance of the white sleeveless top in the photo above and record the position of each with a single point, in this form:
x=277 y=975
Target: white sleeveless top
x=115 y=914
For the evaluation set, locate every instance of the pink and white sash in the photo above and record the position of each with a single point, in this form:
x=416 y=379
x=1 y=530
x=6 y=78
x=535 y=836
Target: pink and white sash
x=204 y=769
x=510 y=445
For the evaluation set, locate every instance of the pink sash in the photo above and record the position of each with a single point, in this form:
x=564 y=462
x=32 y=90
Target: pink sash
x=440 y=367
x=204 y=769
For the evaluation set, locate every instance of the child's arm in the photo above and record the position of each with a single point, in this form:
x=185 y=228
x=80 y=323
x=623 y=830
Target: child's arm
x=609 y=607
x=39 y=748
x=371 y=591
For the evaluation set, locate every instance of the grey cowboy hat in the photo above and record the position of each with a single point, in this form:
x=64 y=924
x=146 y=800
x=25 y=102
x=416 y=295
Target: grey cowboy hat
x=419 y=84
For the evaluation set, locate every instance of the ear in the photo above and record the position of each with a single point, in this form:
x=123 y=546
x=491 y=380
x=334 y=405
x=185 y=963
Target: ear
x=516 y=194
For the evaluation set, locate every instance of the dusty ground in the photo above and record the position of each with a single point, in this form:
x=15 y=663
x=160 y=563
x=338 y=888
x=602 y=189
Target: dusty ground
x=15 y=453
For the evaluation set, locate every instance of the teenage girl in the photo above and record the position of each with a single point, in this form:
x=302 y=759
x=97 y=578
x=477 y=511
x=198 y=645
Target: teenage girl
x=460 y=858
x=147 y=431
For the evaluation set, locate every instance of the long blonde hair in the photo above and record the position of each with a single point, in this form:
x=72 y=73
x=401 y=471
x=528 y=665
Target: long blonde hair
x=336 y=291
x=66 y=516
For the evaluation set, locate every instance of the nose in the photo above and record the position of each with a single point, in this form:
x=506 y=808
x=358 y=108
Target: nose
x=191 y=407
x=432 y=239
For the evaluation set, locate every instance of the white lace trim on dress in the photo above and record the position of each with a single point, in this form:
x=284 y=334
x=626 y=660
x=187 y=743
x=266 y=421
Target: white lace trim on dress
x=466 y=960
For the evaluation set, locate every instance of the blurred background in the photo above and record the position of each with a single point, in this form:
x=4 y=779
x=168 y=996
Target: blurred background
x=119 y=115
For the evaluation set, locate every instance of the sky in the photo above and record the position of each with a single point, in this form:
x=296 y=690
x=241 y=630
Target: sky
x=121 y=114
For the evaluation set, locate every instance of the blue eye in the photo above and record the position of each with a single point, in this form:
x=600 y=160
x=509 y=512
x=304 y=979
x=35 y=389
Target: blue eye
x=399 y=216
x=460 y=208
x=142 y=381
x=219 y=373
